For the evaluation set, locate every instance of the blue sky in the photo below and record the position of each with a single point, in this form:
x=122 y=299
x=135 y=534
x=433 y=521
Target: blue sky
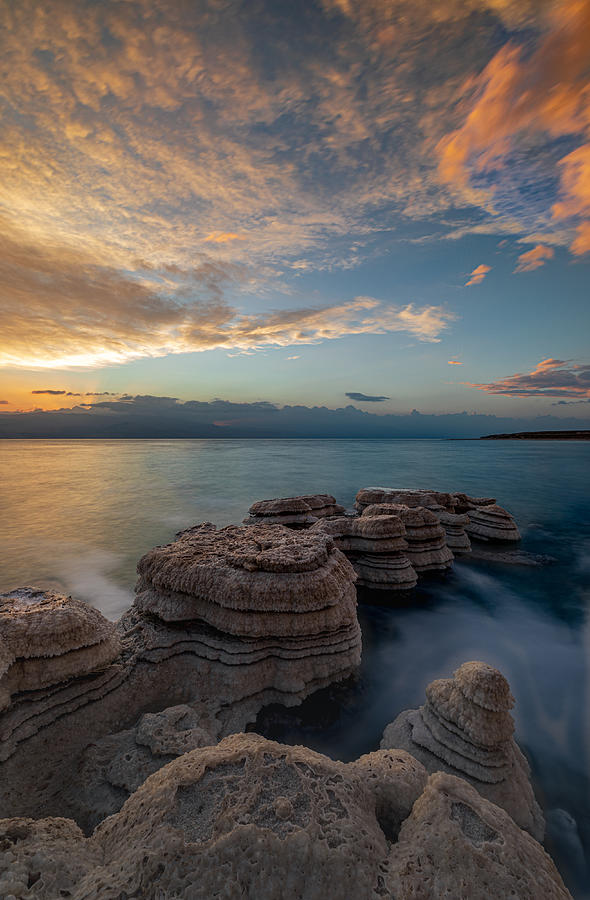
x=294 y=202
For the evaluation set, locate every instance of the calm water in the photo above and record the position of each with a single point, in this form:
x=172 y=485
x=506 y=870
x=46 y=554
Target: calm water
x=78 y=514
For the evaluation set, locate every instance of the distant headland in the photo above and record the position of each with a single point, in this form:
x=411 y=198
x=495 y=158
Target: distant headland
x=539 y=436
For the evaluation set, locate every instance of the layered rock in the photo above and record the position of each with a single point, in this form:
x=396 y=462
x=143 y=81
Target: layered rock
x=492 y=523
x=465 y=728
x=294 y=512
x=48 y=639
x=251 y=818
x=407 y=497
x=444 y=505
x=427 y=547
x=236 y=619
x=376 y=547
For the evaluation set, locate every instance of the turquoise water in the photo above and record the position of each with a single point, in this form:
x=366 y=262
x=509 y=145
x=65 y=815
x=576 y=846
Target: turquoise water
x=78 y=515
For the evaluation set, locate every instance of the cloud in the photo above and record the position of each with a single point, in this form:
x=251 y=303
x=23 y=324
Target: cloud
x=549 y=378
x=293 y=357
x=223 y=237
x=364 y=398
x=48 y=392
x=454 y=362
x=478 y=274
x=4 y=402
x=519 y=113
x=59 y=309
x=148 y=416
x=535 y=258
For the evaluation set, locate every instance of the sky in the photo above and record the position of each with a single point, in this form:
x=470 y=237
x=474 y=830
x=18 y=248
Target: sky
x=374 y=208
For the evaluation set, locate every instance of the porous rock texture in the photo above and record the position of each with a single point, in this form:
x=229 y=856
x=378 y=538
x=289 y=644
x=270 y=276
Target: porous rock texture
x=376 y=547
x=253 y=819
x=444 y=505
x=295 y=512
x=465 y=728
x=47 y=639
x=233 y=619
x=427 y=547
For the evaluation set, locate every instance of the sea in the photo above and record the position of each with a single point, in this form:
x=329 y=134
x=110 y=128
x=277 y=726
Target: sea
x=77 y=515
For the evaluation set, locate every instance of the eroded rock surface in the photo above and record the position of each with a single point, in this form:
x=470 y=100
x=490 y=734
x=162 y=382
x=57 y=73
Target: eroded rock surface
x=295 y=512
x=427 y=547
x=376 y=547
x=252 y=818
x=465 y=728
x=232 y=620
x=47 y=638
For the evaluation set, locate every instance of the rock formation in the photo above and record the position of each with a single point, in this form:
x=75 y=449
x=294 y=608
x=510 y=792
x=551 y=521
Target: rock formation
x=376 y=547
x=47 y=639
x=235 y=619
x=444 y=505
x=427 y=547
x=295 y=512
x=252 y=818
x=465 y=728
x=492 y=523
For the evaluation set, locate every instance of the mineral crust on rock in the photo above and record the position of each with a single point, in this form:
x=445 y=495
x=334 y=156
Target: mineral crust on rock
x=444 y=505
x=47 y=638
x=236 y=619
x=295 y=512
x=457 y=844
x=252 y=818
x=492 y=523
x=376 y=547
x=427 y=547
x=465 y=728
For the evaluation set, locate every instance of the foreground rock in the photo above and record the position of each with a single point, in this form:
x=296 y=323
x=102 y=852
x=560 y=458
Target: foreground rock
x=294 y=512
x=376 y=547
x=251 y=818
x=224 y=622
x=465 y=728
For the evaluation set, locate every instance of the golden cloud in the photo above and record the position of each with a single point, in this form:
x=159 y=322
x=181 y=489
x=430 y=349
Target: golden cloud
x=60 y=310
x=535 y=258
x=478 y=274
x=521 y=98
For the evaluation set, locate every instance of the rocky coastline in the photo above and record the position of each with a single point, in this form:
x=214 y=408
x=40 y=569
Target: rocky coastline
x=125 y=766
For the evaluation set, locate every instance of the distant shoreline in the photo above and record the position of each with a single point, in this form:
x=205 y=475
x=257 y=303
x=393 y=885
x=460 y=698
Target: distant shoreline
x=539 y=436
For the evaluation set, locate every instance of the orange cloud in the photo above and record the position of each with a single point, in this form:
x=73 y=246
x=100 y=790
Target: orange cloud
x=534 y=259
x=454 y=362
x=550 y=378
x=223 y=237
x=478 y=274
x=519 y=98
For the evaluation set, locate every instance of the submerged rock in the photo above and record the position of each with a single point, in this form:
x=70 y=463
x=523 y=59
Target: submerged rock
x=427 y=547
x=465 y=728
x=376 y=547
x=252 y=818
x=295 y=512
